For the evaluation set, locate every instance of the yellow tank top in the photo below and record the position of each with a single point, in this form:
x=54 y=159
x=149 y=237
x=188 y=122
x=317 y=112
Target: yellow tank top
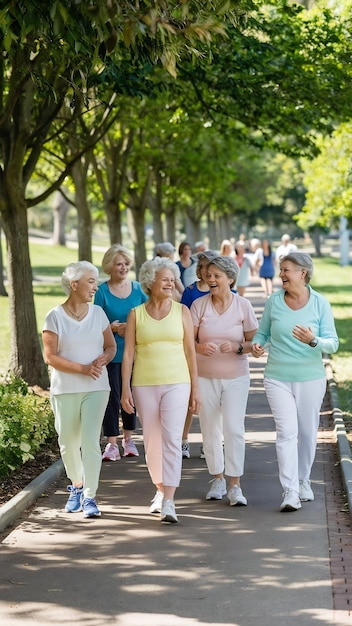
x=160 y=357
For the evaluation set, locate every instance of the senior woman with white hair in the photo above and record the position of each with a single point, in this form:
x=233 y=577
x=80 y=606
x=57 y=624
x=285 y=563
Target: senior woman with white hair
x=159 y=340
x=224 y=325
x=298 y=325
x=78 y=345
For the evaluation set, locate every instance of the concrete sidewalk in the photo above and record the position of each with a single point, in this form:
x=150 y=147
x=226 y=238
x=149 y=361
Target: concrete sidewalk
x=220 y=565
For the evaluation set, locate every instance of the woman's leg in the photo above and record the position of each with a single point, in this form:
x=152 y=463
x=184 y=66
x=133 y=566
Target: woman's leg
x=309 y=397
x=67 y=411
x=147 y=401
x=211 y=424
x=92 y=413
x=234 y=404
x=173 y=411
x=111 y=417
x=283 y=407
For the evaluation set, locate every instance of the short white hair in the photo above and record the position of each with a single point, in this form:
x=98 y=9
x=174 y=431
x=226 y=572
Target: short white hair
x=75 y=271
x=149 y=270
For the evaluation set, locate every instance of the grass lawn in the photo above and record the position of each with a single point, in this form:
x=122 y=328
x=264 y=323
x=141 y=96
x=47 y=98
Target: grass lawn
x=329 y=278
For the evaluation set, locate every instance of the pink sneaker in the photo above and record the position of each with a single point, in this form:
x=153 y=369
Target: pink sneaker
x=111 y=453
x=129 y=448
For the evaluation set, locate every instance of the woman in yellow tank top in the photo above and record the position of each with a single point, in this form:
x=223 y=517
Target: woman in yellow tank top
x=159 y=341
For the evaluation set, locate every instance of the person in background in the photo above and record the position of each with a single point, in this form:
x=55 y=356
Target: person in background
x=186 y=260
x=226 y=248
x=159 y=340
x=286 y=247
x=243 y=261
x=198 y=289
x=167 y=250
x=116 y=297
x=224 y=325
x=78 y=345
x=267 y=268
x=298 y=323
x=256 y=255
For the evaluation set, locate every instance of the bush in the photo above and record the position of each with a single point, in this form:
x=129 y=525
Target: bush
x=26 y=423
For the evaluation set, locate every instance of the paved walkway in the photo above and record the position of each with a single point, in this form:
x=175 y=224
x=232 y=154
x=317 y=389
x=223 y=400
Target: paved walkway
x=221 y=565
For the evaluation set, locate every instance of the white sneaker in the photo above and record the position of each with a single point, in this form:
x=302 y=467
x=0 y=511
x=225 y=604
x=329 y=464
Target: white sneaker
x=111 y=453
x=218 y=489
x=168 y=513
x=236 y=497
x=291 y=501
x=186 y=450
x=157 y=501
x=129 y=448
x=305 y=491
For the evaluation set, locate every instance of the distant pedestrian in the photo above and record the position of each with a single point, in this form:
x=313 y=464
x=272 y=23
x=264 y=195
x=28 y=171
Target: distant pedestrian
x=298 y=325
x=186 y=260
x=78 y=345
x=159 y=348
x=285 y=248
x=267 y=268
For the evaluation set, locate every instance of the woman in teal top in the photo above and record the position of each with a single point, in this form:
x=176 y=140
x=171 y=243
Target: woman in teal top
x=297 y=326
x=117 y=297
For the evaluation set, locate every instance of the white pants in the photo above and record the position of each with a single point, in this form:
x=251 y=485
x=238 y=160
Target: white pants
x=162 y=411
x=221 y=417
x=78 y=420
x=296 y=410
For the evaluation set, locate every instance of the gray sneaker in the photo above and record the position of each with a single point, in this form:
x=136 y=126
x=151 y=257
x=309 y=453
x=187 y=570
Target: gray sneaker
x=305 y=491
x=217 y=490
x=168 y=513
x=236 y=497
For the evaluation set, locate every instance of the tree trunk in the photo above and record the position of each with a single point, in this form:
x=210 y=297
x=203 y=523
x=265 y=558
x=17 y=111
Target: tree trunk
x=139 y=236
x=3 y=291
x=84 y=227
x=60 y=210
x=157 y=210
x=316 y=240
x=26 y=360
x=211 y=234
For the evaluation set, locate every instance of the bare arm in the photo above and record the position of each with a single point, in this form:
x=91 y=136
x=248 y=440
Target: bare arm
x=190 y=353
x=127 y=363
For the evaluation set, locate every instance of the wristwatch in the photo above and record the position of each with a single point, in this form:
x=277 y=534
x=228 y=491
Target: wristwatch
x=314 y=342
x=240 y=349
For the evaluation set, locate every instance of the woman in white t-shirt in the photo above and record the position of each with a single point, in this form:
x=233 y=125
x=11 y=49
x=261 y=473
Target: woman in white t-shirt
x=78 y=344
x=224 y=324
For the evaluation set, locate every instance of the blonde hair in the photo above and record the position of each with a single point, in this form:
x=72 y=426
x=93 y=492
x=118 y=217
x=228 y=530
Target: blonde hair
x=111 y=253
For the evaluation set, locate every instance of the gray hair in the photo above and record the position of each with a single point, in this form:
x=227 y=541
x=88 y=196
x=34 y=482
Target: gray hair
x=164 y=249
x=303 y=260
x=149 y=270
x=228 y=265
x=75 y=271
x=207 y=256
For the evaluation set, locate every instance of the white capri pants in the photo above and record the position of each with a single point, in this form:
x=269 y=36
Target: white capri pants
x=78 y=421
x=222 y=414
x=296 y=411
x=162 y=411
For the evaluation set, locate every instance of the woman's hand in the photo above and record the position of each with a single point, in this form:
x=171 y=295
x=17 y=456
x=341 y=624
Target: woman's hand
x=257 y=350
x=206 y=349
x=227 y=346
x=194 y=402
x=127 y=402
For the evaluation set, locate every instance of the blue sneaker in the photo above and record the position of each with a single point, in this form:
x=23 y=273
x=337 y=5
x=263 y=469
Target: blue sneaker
x=73 y=504
x=90 y=508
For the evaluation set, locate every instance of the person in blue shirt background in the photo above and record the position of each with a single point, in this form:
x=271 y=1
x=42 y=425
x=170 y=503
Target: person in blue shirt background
x=117 y=296
x=298 y=326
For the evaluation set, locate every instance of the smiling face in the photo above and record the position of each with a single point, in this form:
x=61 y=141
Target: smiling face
x=291 y=275
x=85 y=287
x=163 y=284
x=218 y=282
x=120 y=268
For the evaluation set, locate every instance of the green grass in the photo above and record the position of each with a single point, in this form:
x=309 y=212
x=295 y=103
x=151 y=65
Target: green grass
x=334 y=282
x=330 y=279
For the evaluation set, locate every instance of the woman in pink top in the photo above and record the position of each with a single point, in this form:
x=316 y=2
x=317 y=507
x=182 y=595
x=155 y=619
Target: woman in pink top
x=224 y=324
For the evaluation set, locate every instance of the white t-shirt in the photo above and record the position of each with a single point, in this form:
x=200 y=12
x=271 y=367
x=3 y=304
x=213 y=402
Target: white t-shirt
x=81 y=342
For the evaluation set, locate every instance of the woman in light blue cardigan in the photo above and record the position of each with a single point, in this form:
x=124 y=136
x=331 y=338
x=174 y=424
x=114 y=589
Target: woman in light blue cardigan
x=298 y=327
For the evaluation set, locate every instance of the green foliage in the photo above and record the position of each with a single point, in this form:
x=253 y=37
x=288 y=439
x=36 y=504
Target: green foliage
x=26 y=422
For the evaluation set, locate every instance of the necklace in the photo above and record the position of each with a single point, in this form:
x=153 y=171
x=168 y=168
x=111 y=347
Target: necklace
x=78 y=317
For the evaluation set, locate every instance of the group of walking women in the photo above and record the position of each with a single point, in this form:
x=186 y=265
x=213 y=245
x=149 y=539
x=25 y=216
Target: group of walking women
x=140 y=348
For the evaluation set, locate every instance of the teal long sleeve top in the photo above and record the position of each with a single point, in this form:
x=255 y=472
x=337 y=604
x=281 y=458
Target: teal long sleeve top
x=289 y=359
